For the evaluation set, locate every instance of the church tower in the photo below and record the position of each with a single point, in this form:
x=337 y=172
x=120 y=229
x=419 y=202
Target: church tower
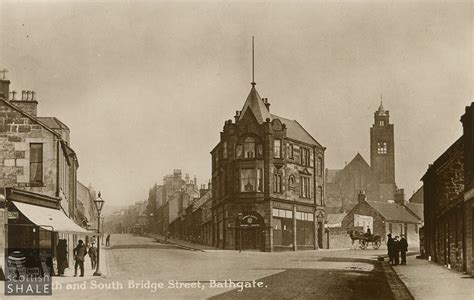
x=382 y=147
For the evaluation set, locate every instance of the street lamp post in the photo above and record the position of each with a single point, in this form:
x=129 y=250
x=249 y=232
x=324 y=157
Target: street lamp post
x=99 y=203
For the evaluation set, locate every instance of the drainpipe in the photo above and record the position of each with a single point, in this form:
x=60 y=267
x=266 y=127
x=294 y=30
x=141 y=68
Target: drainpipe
x=57 y=167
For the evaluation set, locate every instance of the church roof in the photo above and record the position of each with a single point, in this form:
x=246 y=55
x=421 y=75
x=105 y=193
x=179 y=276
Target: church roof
x=394 y=212
x=358 y=159
x=255 y=103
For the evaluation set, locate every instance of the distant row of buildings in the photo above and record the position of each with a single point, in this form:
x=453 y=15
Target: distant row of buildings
x=42 y=200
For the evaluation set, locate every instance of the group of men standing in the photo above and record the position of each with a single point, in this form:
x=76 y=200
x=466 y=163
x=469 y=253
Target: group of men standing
x=397 y=248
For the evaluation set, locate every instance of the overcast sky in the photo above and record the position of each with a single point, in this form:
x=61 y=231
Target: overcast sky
x=146 y=87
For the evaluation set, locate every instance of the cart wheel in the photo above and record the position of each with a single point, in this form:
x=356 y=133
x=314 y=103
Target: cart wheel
x=376 y=244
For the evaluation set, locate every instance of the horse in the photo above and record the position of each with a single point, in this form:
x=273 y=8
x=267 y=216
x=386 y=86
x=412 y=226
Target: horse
x=364 y=239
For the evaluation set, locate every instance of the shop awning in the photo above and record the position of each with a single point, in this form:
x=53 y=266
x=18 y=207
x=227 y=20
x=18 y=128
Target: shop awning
x=50 y=219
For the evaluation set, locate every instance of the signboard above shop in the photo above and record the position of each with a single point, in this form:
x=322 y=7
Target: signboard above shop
x=13 y=215
x=250 y=220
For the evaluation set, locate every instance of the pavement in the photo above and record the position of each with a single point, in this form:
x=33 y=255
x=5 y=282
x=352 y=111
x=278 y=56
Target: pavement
x=88 y=271
x=428 y=280
x=181 y=243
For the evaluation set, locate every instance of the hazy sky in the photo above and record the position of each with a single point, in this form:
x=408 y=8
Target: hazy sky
x=145 y=87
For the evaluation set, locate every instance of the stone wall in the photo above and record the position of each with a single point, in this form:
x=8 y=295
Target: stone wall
x=16 y=133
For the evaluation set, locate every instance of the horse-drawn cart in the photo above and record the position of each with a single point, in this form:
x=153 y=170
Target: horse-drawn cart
x=364 y=239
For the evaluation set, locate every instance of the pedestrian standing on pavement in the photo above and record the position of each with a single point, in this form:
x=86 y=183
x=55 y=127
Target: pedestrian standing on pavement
x=61 y=256
x=79 y=253
x=403 y=249
x=396 y=250
x=390 y=246
x=107 y=241
x=93 y=255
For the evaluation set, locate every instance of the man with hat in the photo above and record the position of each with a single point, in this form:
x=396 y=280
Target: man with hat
x=93 y=255
x=390 y=248
x=403 y=246
x=79 y=253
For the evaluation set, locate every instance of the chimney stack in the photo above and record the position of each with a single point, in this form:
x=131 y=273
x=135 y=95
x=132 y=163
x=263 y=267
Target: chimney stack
x=400 y=196
x=27 y=104
x=267 y=104
x=237 y=116
x=4 y=87
x=361 y=197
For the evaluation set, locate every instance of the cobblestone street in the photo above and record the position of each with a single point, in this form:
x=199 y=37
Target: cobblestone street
x=137 y=265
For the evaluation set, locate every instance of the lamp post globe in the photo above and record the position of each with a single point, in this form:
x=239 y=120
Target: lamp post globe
x=99 y=204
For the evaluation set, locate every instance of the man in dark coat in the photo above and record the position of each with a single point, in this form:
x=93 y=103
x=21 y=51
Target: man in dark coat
x=396 y=250
x=61 y=256
x=79 y=253
x=93 y=255
x=390 y=245
x=107 y=240
x=403 y=245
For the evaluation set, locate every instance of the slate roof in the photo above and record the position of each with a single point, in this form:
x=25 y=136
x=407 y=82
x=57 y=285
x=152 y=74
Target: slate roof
x=200 y=201
x=394 y=212
x=358 y=158
x=255 y=103
x=415 y=208
x=335 y=220
x=53 y=122
x=295 y=131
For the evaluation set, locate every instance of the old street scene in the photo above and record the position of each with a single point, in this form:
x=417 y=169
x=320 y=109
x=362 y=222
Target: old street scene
x=236 y=150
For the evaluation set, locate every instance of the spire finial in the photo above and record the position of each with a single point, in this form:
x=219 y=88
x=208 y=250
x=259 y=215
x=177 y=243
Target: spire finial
x=253 y=63
x=381 y=103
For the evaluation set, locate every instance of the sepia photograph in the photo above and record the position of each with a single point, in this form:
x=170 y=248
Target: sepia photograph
x=205 y=149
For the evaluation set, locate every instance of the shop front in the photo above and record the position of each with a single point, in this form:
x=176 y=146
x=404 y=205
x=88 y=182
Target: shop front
x=33 y=226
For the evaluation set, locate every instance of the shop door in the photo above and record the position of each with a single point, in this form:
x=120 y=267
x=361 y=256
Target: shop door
x=249 y=239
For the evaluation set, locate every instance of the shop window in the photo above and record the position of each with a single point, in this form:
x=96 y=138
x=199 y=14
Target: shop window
x=277 y=148
x=277 y=183
x=36 y=163
x=249 y=147
x=305 y=187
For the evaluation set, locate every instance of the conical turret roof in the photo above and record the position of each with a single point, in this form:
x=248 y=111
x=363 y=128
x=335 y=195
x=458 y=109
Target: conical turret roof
x=255 y=103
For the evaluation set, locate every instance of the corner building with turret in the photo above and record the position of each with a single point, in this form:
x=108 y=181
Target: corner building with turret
x=267 y=182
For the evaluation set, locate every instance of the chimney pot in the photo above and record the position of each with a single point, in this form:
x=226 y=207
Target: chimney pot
x=23 y=95
x=33 y=96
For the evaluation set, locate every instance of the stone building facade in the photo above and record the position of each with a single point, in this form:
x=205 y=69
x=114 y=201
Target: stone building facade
x=36 y=160
x=448 y=195
x=468 y=234
x=376 y=179
x=267 y=182
x=443 y=185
